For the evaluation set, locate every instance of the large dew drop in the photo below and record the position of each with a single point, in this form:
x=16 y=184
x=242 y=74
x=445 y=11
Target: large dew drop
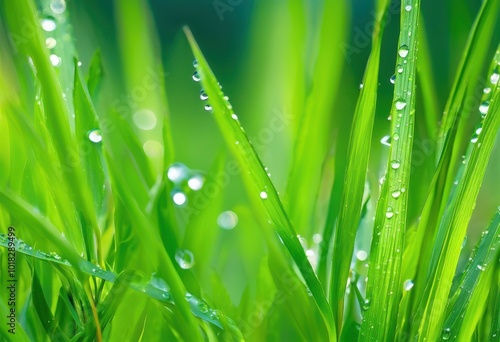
x=95 y=136
x=395 y=164
x=403 y=51
x=196 y=182
x=263 y=195
x=184 y=258
x=179 y=198
x=396 y=194
x=400 y=104
x=48 y=24
x=196 y=76
x=177 y=172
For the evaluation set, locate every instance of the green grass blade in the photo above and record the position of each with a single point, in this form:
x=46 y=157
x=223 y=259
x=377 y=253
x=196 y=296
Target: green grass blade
x=152 y=289
x=355 y=172
x=24 y=13
x=454 y=223
x=470 y=298
x=312 y=138
x=259 y=185
x=384 y=287
x=483 y=25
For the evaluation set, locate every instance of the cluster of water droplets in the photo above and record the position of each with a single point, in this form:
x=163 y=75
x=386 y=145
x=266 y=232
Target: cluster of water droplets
x=199 y=306
x=23 y=247
x=49 y=25
x=185 y=181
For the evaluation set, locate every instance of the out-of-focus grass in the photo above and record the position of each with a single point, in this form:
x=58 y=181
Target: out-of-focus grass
x=275 y=214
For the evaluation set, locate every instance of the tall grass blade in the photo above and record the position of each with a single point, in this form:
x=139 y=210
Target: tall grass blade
x=384 y=286
x=259 y=186
x=355 y=172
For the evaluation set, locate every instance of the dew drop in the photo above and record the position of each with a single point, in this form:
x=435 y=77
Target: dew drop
x=263 y=195
x=196 y=76
x=483 y=108
x=177 y=172
x=208 y=107
x=50 y=43
x=145 y=119
x=58 y=6
x=196 y=182
x=395 y=136
x=234 y=116
x=195 y=63
x=408 y=8
x=495 y=76
x=179 y=198
x=389 y=213
x=202 y=306
x=408 y=284
x=399 y=68
x=203 y=95
x=184 y=258
x=481 y=267
x=366 y=304
x=361 y=86
x=55 y=60
x=361 y=255
x=393 y=79
x=227 y=220
x=395 y=164
x=396 y=193
x=400 y=104
x=403 y=51
x=95 y=136
x=446 y=334
x=487 y=90
x=48 y=24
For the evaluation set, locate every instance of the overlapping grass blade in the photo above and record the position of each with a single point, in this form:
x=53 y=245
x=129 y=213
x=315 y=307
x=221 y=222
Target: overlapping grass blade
x=384 y=287
x=24 y=13
x=469 y=299
x=259 y=186
x=355 y=172
x=454 y=223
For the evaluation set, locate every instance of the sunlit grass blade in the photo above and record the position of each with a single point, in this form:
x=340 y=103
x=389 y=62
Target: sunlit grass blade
x=355 y=172
x=468 y=302
x=454 y=223
x=259 y=186
x=384 y=286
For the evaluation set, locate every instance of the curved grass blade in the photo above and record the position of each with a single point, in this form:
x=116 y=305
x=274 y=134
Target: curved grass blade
x=357 y=163
x=153 y=289
x=468 y=302
x=384 y=287
x=259 y=186
x=454 y=223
